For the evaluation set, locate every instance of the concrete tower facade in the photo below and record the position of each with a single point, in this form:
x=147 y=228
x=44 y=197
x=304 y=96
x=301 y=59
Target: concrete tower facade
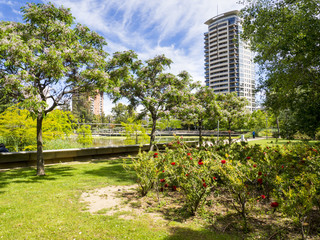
x=229 y=63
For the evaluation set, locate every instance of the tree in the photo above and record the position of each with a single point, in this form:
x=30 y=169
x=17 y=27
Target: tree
x=81 y=107
x=169 y=123
x=135 y=130
x=121 y=113
x=257 y=120
x=233 y=108
x=147 y=85
x=49 y=58
x=285 y=36
x=201 y=106
x=18 y=129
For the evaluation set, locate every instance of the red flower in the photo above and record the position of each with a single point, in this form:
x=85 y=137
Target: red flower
x=254 y=165
x=166 y=185
x=260 y=180
x=282 y=166
x=174 y=188
x=214 y=178
x=263 y=196
x=162 y=170
x=155 y=154
x=223 y=161
x=191 y=158
x=161 y=189
x=187 y=174
x=259 y=173
x=274 y=204
x=200 y=163
x=248 y=157
x=178 y=142
x=189 y=154
x=162 y=180
x=173 y=163
x=204 y=184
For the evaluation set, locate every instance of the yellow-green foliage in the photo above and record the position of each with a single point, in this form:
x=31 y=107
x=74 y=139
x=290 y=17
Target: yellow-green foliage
x=135 y=132
x=18 y=130
x=84 y=135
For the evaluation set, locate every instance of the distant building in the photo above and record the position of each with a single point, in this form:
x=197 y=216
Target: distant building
x=97 y=104
x=83 y=102
x=229 y=65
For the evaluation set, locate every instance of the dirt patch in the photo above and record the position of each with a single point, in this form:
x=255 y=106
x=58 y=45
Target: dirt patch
x=108 y=200
x=125 y=202
x=217 y=215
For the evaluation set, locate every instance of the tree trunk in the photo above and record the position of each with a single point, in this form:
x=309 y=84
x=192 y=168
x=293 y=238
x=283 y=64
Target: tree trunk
x=229 y=123
x=200 y=133
x=40 y=161
x=152 y=135
x=278 y=127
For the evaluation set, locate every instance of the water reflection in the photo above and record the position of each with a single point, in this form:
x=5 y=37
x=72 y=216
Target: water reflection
x=120 y=141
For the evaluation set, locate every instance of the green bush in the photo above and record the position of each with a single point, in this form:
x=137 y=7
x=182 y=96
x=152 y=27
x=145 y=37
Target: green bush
x=284 y=178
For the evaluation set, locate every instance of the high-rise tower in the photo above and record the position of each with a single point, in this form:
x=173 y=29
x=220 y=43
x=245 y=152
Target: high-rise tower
x=229 y=63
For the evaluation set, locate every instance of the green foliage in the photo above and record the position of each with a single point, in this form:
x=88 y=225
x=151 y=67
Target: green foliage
x=233 y=110
x=199 y=107
x=84 y=135
x=18 y=129
x=192 y=174
x=282 y=178
x=284 y=35
x=146 y=84
x=168 y=122
x=49 y=57
x=134 y=131
x=121 y=113
x=146 y=166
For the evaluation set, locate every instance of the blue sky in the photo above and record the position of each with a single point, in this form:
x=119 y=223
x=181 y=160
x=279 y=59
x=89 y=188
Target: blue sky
x=149 y=27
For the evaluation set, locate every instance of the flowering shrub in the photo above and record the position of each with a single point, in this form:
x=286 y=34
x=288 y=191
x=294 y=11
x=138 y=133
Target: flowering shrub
x=146 y=167
x=285 y=178
x=192 y=173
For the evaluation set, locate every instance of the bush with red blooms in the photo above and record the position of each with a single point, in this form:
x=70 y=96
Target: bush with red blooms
x=192 y=176
x=286 y=178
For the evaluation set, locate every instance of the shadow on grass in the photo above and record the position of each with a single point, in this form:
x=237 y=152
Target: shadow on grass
x=113 y=170
x=28 y=175
x=179 y=233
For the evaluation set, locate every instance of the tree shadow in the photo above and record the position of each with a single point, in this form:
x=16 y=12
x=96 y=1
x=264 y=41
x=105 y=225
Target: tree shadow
x=115 y=171
x=28 y=175
x=178 y=233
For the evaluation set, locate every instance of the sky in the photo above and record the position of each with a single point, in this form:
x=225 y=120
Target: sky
x=174 y=28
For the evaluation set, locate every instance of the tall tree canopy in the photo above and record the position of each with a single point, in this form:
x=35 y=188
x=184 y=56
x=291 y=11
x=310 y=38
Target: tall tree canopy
x=285 y=36
x=232 y=110
x=147 y=84
x=46 y=59
x=200 y=106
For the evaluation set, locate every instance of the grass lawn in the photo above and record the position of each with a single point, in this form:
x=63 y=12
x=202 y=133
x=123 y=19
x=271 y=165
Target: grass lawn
x=48 y=207
x=273 y=141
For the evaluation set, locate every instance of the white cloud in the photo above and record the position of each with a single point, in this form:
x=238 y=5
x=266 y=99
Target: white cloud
x=152 y=27
x=146 y=25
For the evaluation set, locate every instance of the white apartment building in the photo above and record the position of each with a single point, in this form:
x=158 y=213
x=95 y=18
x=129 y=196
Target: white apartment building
x=229 y=65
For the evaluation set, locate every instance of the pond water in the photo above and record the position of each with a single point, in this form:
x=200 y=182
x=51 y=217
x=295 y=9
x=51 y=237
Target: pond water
x=120 y=141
